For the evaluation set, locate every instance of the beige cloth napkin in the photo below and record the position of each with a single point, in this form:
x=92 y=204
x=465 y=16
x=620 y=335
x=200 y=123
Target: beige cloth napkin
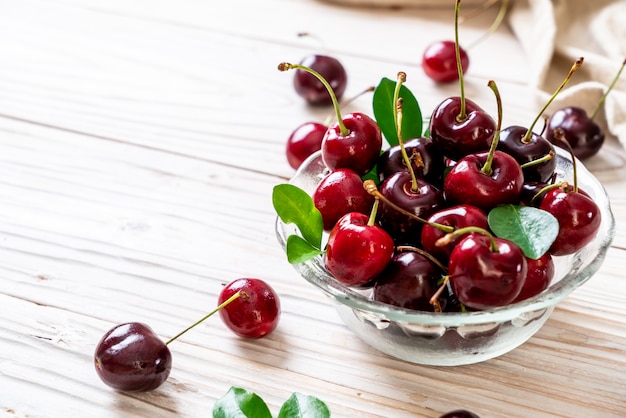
x=554 y=33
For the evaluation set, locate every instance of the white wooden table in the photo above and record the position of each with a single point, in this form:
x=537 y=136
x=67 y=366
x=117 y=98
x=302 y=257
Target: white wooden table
x=139 y=144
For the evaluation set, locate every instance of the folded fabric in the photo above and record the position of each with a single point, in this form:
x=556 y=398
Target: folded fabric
x=554 y=33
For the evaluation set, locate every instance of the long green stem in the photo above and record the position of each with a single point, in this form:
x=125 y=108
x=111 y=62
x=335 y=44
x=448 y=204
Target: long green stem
x=223 y=304
x=487 y=167
x=284 y=66
x=603 y=98
x=446 y=239
x=576 y=66
x=462 y=112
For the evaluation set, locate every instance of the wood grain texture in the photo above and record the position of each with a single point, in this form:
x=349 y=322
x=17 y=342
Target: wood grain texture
x=139 y=144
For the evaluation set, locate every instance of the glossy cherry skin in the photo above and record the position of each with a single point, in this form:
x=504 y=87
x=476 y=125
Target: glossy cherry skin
x=311 y=88
x=482 y=278
x=540 y=274
x=439 y=61
x=130 y=357
x=423 y=202
x=583 y=134
x=459 y=413
x=512 y=142
x=357 y=252
x=455 y=138
x=358 y=150
x=466 y=183
x=457 y=217
x=305 y=140
x=578 y=215
x=340 y=192
x=409 y=281
x=426 y=160
x=255 y=313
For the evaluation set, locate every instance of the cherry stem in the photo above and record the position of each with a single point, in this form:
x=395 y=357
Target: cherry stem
x=546 y=189
x=371 y=188
x=284 y=66
x=447 y=239
x=504 y=5
x=603 y=98
x=331 y=117
x=434 y=299
x=559 y=135
x=462 y=112
x=488 y=166
x=222 y=305
x=423 y=253
x=399 y=101
x=547 y=157
x=372 y=219
x=575 y=66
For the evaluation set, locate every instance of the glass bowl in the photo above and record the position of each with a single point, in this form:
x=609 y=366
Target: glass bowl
x=448 y=339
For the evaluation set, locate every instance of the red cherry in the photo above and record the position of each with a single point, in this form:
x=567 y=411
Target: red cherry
x=467 y=183
x=305 y=140
x=578 y=215
x=341 y=192
x=458 y=137
x=484 y=277
x=439 y=61
x=540 y=274
x=357 y=251
x=130 y=357
x=311 y=88
x=409 y=281
x=357 y=148
x=255 y=313
x=582 y=133
x=457 y=217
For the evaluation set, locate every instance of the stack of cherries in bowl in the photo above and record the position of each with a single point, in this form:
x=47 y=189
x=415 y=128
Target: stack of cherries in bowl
x=451 y=243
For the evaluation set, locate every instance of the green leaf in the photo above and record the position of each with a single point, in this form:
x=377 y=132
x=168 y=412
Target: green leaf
x=384 y=111
x=533 y=229
x=304 y=406
x=294 y=205
x=299 y=250
x=239 y=403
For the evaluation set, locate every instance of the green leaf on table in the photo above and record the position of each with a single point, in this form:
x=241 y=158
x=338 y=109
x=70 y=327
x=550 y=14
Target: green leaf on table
x=294 y=205
x=239 y=403
x=384 y=112
x=303 y=406
x=532 y=229
x=299 y=250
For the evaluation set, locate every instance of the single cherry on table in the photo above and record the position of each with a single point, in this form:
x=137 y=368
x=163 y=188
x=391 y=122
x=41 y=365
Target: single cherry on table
x=130 y=357
x=311 y=88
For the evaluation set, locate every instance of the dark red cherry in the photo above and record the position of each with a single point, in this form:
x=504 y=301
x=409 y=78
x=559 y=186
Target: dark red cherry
x=409 y=281
x=311 y=88
x=526 y=148
x=578 y=215
x=421 y=202
x=357 y=251
x=357 y=148
x=439 y=61
x=458 y=137
x=540 y=274
x=582 y=133
x=459 y=413
x=341 y=192
x=426 y=160
x=467 y=183
x=305 y=140
x=486 y=272
x=130 y=357
x=457 y=217
x=255 y=313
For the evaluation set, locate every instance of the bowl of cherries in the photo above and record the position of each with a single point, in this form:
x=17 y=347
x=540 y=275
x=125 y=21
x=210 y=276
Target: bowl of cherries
x=451 y=243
